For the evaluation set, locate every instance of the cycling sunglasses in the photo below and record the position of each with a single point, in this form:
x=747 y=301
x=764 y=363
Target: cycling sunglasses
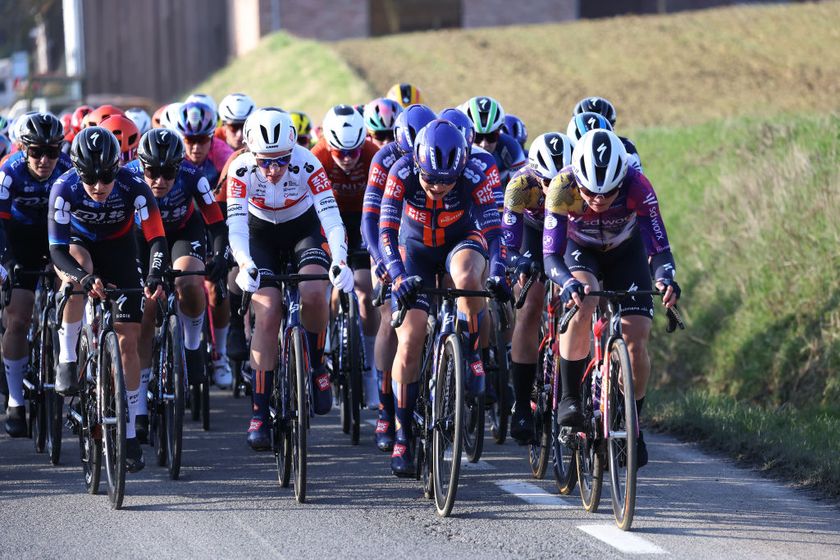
x=37 y=152
x=354 y=153
x=383 y=135
x=281 y=161
x=489 y=137
x=434 y=180
x=105 y=176
x=169 y=172
x=590 y=194
x=235 y=126
x=303 y=141
x=199 y=139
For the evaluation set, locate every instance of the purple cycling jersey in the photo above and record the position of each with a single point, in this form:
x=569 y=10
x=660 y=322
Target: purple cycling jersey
x=381 y=164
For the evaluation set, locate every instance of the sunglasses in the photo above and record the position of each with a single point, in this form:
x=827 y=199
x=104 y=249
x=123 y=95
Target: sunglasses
x=354 y=153
x=435 y=180
x=303 y=141
x=37 y=152
x=383 y=135
x=281 y=161
x=200 y=139
x=169 y=172
x=590 y=194
x=489 y=137
x=105 y=176
x=236 y=127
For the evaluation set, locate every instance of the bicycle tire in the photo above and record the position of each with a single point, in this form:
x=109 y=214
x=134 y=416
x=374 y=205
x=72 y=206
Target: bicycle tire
x=205 y=405
x=90 y=447
x=448 y=424
x=590 y=467
x=195 y=401
x=540 y=451
x=354 y=374
x=624 y=425
x=301 y=417
x=500 y=411
x=55 y=402
x=112 y=414
x=37 y=399
x=563 y=457
x=281 y=433
x=236 y=387
x=474 y=416
x=173 y=384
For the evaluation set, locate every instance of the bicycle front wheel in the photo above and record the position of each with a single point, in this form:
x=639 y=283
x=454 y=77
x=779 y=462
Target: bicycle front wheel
x=354 y=347
x=54 y=401
x=281 y=432
x=500 y=411
x=90 y=433
x=112 y=414
x=540 y=452
x=297 y=365
x=448 y=424
x=174 y=376
x=590 y=467
x=624 y=429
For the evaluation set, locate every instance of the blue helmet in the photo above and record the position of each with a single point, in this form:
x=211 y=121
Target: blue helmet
x=440 y=151
x=196 y=119
x=462 y=122
x=584 y=122
x=409 y=123
x=516 y=128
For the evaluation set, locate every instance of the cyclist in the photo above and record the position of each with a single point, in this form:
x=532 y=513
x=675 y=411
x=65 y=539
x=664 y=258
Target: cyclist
x=606 y=109
x=95 y=117
x=487 y=117
x=233 y=110
x=522 y=224
x=169 y=117
x=126 y=134
x=514 y=127
x=303 y=127
x=405 y=94
x=140 y=118
x=5 y=146
x=380 y=116
x=438 y=208
x=91 y=223
x=279 y=201
x=602 y=220
x=25 y=182
x=407 y=124
x=206 y=100
x=346 y=153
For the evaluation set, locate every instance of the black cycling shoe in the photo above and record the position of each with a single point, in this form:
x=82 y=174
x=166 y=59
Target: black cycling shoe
x=259 y=437
x=141 y=426
x=641 y=452
x=385 y=433
x=16 y=421
x=67 y=379
x=402 y=463
x=196 y=372
x=569 y=412
x=237 y=346
x=522 y=425
x=133 y=456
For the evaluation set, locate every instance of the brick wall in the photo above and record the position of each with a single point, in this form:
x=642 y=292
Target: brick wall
x=488 y=13
x=330 y=21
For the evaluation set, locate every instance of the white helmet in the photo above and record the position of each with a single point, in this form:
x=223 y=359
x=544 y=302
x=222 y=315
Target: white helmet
x=270 y=130
x=203 y=98
x=599 y=161
x=170 y=116
x=549 y=153
x=235 y=108
x=344 y=128
x=141 y=118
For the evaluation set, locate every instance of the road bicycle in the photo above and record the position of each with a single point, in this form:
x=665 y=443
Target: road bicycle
x=199 y=391
x=348 y=364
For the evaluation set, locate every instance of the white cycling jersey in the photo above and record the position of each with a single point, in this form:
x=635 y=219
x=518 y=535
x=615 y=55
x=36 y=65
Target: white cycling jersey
x=305 y=184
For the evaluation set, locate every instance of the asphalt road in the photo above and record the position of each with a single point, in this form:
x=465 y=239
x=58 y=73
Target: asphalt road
x=228 y=504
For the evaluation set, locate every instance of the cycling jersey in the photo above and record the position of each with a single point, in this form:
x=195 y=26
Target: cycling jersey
x=216 y=159
x=487 y=163
x=635 y=207
x=632 y=154
x=23 y=198
x=348 y=188
x=524 y=204
x=303 y=186
x=408 y=213
x=509 y=157
x=381 y=164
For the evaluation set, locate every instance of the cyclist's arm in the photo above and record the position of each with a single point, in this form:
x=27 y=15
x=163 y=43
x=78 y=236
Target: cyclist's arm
x=6 y=196
x=146 y=209
x=487 y=218
x=389 y=223
x=327 y=209
x=513 y=225
x=211 y=213
x=370 y=209
x=641 y=198
x=237 y=215
x=58 y=227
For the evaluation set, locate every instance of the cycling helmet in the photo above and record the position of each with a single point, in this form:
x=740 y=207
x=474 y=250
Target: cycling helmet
x=95 y=154
x=41 y=129
x=549 y=153
x=95 y=117
x=462 y=122
x=126 y=133
x=160 y=147
x=5 y=145
x=157 y=116
x=195 y=119
x=404 y=94
x=206 y=99
x=18 y=125
x=170 y=115
x=4 y=125
x=599 y=161
x=77 y=120
x=409 y=123
x=235 y=108
x=486 y=114
x=302 y=124
x=584 y=122
x=269 y=130
x=440 y=151
x=140 y=118
x=344 y=128
x=514 y=126
x=65 y=122
x=380 y=114
x=596 y=105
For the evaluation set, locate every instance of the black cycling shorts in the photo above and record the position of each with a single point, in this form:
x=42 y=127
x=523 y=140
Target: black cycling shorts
x=30 y=247
x=116 y=262
x=358 y=257
x=272 y=244
x=623 y=268
x=189 y=241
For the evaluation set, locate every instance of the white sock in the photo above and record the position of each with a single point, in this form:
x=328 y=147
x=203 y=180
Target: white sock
x=192 y=330
x=143 y=403
x=221 y=341
x=133 y=406
x=14 y=379
x=68 y=339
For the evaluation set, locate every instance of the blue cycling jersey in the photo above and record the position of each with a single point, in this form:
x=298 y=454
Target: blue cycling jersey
x=509 y=158
x=23 y=198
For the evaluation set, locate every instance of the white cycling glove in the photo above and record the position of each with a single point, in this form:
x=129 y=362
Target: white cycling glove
x=248 y=278
x=344 y=279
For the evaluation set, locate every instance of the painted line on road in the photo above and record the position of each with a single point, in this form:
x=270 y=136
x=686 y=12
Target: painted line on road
x=477 y=466
x=623 y=541
x=533 y=494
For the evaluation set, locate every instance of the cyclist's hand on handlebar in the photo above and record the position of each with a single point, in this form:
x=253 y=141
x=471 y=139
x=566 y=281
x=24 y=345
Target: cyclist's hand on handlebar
x=405 y=289
x=248 y=278
x=500 y=287
x=93 y=285
x=522 y=269
x=342 y=277
x=381 y=272
x=154 y=287
x=672 y=291
x=573 y=292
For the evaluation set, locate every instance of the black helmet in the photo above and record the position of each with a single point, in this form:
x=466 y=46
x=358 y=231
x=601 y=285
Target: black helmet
x=41 y=129
x=598 y=105
x=95 y=154
x=161 y=147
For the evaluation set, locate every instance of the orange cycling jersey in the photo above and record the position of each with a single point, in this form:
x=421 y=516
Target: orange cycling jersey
x=348 y=188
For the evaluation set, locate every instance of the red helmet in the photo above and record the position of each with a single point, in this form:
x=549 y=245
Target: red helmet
x=127 y=133
x=69 y=133
x=95 y=118
x=78 y=116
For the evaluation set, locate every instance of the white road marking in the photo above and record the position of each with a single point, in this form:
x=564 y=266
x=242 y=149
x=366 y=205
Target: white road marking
x=623 y=541
x=533 y=494
x=477 y=466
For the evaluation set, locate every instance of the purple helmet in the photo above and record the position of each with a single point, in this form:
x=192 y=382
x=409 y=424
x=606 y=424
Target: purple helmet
x=516 y=128
x=196 y=119
x=462 y=122
x=409 y=123
x=440 y=151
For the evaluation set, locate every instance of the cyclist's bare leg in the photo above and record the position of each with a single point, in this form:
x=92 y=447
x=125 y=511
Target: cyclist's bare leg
x=128 y=335
x=410 y=337
x=636 y=330
x=265 y=303
x=525 y=342
x=17 y=317
x=574 y=344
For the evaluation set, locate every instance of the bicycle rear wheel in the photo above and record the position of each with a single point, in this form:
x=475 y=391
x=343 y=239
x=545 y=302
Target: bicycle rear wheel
x=90 y=433
x=354 y=377
x=563 y=456
x=624 y=428
x=54 y=401
x=205 y=405
x=539 y=453
x=37 y=399
x=499 y=413
x=113 y=410
x=448 y=423
x=173 y=395
x=473 y=428
x=300 y=418
x=281 y=432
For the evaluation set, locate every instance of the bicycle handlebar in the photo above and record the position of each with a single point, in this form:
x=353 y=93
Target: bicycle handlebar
x=673 y=314
x=379 y=294
x=398 y=316
x=292 y=279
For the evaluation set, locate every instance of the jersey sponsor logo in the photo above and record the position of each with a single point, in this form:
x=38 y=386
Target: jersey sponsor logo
x=655 y=225
x=141 y=205
x=472 y=176
x=5 y=183
x=509 y=218
x=493 y=178
x=478 y=162
x=448 y=218
x=419 y=215
x=236 y=188
x=650 y=199
x=394 y=188
x=29 y=201
x=403 y=172
x=378 y=176
x=550 y=222
x=485 y=195
x=204 y=190
x=319 y=182
x=62 y=211
x=241 y=171
x=576 y=254
x=389 y=161
x=308 y=167
x=548 y=241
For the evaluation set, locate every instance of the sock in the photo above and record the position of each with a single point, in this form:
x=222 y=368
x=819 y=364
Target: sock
x=14 y=379
x=386 y=395
x=221 y=341
x=370 y=343
x=316 y=348
x=639 y=404
x=192 y=326
x=143 y=404
x=68 y=339
x=472 y=329
x=262 y=383
x=571 y=371
x=523 y=381
x=133 y=404
x=406 y=397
